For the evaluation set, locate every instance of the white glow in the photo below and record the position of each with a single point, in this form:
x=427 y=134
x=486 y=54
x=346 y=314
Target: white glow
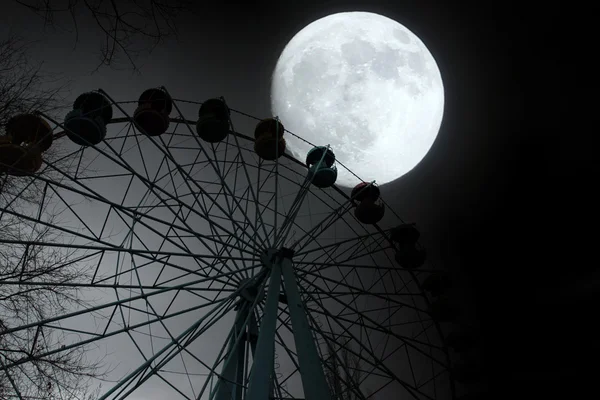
x=364 y=84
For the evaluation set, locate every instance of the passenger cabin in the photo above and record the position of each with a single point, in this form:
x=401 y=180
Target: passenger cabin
x=321 y=169
x=443 y=310
x=370 y=210
x=269 y=143
x=405 y=234
x=30 y=130
x=437 y=284
x=213 y=121
x=408 y=254
x=467 y=373
x=152 y=114
x=411 y=257
x=365 y=191
x=18 y=160
x=27 y=136
x=461 y=340
x=85 y=125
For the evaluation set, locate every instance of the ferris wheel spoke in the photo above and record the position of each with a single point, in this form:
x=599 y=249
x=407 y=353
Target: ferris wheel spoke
x=227 y=250
x=95 y=337
x=213 y=165
x=115 y=206
x=111 y=286
x=148 y=305
x=111 y=305
x=12 y=198
x=321 y=227
x=183 y=220
x=357 y=322
x=352 y=251
x=184 y=247
x=266 y=208
x=122 y=389
x=301 y=195
x=293 y=356
x=245 y=317
x=332 y=338
x=344 y=277
x=373 y=360
x=378 y=327
x=374 y=326
x=153 y=256
x=258 y=220
x=292 y=213
x=352 y=291
x=179 y=348
x=137 y=252
x=266 y=205
x=188 y=273
x=349 y=243
x=162 y=241
x=157 y=189
x=178 y=351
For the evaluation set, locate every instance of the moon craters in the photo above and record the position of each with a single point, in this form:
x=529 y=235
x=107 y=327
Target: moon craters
x=386 y=64
x=358 y=52
x=402 y=36
x=365 y=85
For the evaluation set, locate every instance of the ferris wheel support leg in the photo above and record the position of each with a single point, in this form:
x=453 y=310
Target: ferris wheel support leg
x=259 y=386
x=229 y=384
x=311 y=370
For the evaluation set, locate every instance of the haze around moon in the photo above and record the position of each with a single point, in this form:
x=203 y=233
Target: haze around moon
x=364 y=84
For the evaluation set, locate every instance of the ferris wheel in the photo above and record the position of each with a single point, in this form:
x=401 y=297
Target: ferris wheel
x=198 y=262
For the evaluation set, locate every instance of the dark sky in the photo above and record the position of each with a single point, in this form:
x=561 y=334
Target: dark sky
x=498 y=196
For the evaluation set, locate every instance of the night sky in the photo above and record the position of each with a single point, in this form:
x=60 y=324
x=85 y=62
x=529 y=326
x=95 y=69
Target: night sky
x=497 y=197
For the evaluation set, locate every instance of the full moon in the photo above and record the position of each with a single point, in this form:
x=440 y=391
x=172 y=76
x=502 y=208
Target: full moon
x=364 y=84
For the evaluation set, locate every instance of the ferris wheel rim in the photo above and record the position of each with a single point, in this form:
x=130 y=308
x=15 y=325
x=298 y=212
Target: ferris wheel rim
x=245 y=137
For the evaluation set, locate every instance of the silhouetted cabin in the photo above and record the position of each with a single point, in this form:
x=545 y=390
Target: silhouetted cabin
x=18 y=160
x=369 y=212
x=29 y=130
x=437 y=284
x=467 y=373
x=474 y=396
x=85 y=125
x=152 y=114
x=269 y=127
x=213 y=120
x=405 y=234
x=411 y=257
x=94 y=104
x=321 y=169
x=269 y=143
x=461 y=340
x=364 y=191
x=443 y=309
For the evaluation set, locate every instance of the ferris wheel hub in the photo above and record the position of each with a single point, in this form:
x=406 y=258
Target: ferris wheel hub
x=249 y=289
x=269 y=256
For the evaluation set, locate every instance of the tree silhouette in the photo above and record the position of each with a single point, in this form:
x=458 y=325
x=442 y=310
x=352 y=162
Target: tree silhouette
x=34 y=278
x=129 y=27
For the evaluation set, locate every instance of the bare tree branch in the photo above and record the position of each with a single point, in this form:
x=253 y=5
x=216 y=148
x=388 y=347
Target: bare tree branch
x=130 y=27
x=44 y=374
